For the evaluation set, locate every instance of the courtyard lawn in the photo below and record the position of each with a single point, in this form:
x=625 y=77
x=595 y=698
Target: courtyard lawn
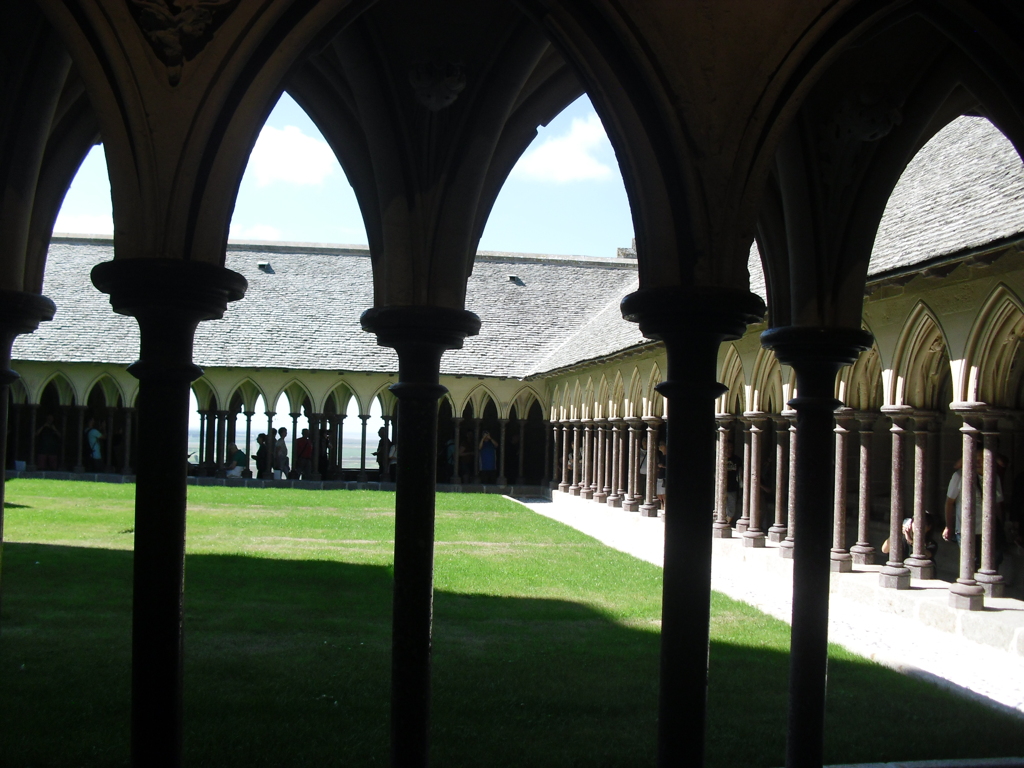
x=545 y=645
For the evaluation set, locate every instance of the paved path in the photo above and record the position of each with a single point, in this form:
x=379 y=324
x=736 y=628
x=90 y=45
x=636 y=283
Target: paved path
x=763 y=579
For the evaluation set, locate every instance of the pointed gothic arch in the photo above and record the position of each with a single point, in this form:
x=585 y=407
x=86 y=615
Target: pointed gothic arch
x=921 y=363
x=991 y=368
x=733 y=400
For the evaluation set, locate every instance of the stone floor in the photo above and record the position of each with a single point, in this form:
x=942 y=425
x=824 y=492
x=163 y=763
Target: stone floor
x=976 y=654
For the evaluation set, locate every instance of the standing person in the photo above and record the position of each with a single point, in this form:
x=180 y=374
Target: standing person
x=383 y=452
x=260 y=455
x=954 y=496
x=93 y=437
x=488 y=459
x=281 y=467
x=47 y=445
x=304 y=455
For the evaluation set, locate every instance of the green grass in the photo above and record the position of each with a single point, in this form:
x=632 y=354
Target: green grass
x=545 y=643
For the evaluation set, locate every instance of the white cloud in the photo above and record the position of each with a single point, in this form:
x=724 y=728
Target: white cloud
x=568 y=157
x=256 y=232
x=84 y=224
x=292 y=156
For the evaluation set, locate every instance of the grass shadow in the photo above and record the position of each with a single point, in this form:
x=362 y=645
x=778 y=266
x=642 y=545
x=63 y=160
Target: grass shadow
x=10 y=505
x=287 y=663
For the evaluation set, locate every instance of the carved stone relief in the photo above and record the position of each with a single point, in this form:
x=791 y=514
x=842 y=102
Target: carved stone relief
x=178 y=30
x=437 y=84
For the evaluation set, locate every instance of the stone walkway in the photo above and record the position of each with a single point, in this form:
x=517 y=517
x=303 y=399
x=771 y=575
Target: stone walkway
x=980 y=654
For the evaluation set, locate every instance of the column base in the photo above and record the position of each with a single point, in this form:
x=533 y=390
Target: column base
x=840 y=562
x=502 y=481
x=575 y=491
x=562 y=487
x=863 y=555
x=79 y=469
x=742 y=525
x=923 y=569
x=776 y=535
x=247 y=474
x=786 y=549
x=631 y=505
x=755 y=539
x=894 y=577
x=587 y=493
x=649 y=510
x=966 y=597
x=721 y=531
x=992 y=584
x=614 y=501
x=600 y=497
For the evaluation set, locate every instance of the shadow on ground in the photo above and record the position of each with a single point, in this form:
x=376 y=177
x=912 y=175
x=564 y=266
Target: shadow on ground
x=287 y=665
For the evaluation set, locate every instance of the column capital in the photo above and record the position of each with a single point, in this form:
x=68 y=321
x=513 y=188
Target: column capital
x=725 y=419
x=653 y=421
x=585 y=422
x=248 y=414
x=780 y=420
x=866 y=420
x=898 y=414
x=601 y=421
x=754 y=418
x=295 y=415
x=270 y=414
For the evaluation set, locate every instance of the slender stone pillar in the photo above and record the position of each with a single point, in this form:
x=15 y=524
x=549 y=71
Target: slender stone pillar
x=601 y=468
x=816 y=354
x=754 y=535
x=692 y=322
x=777 y=531
x=80 y=442
x=210 y=463
x=650 y=506
x=631 y=503
x=16 y=409
x=222 y=423
x=168 y=299
x=863 y=553
x=457 y=425
x=19 y=313
x=316 y=426
x=521 y=458
x=201 y=458
x=63 y=437
x=577 y=457
x=840 y=560
x=126 y=464
x=721 y=528
x=988 y=576
x=894 y=574
x=476 y=451
x=363 y=418
x=965 y=593
x=556 y=454
x=247 y=472
x=614 y=498
x=271 y=447
x=586 y=488
x=744 y=522
x=919 y=564
x=33 y=410
x=295 y=435
x=502 y=427
x=621 y=430
x=420 y=336
x=108 y=447
x=563 y=486
x=788 y=544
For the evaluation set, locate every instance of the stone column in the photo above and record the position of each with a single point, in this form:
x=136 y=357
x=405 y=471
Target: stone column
x=840 y=560
x=816 y=355
x=556 y=453
x=168 y=299
x=754 y=535
x=202 y=438
x=19 y=313
x=622 y=434
x=564 y=485
x=126 y=466
x=577 y=430
x=632 y=501
x=315 y=426
x=222 y=423
x=894 y=574
x=692 y=322
x=457 y=425
x=614 y=497
x=522 y=451
x=988 y=577
x=295 y=435
x=420 y=336
x=587 y=490
x=108 y=442
x=721 y=528
x=919 y=564
x=210 y=463
x=79 y=443
x=788 y=544
x=503 y=426
x=650 y=506
x=63 y=437
x=777 y=531
x=33 y=410
x=268 y=458
x=744 y=522
x=476 y=450
x=247 y=473
x=966 y=593
x=16 y=409
x=863 y=553
x=363 y=418
x=601 y=465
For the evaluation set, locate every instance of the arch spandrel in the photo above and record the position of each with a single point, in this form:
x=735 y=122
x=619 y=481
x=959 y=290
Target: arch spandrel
x=110 y=387
x=249 y=391
x=66 y=392
x=990 y=370
x=733 y=400
x=634 y=407
x=921 y=362
x=765 y=390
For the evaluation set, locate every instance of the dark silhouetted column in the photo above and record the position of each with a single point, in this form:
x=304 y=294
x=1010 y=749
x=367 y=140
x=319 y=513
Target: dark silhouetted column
x=126 y=464
x=894 y=574
x=841 y=561
x=721 y=528
x=987 y=575
x=754 y=535
x=919 y=563
x=863 y=553
x=563 y=486
x=816 y=355
x=601 y=446
x=777 y=531
x=363 y=418
x=80 y=442
x=577 y=457
x=650 y=506
x=631 y=503
x=965 y=593
x=587 y=487
x=744 y=520
x=248 y=442
x=168 y=299
x=420 y=336
x=787 y=545
x=33 y=410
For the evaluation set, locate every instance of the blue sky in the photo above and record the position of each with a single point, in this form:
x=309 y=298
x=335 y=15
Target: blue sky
x=565 y=195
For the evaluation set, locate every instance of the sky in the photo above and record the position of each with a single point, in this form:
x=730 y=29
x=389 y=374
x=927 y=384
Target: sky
x=565 y=195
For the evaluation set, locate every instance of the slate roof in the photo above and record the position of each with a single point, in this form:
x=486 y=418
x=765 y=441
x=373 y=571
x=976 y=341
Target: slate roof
x=964 y=189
